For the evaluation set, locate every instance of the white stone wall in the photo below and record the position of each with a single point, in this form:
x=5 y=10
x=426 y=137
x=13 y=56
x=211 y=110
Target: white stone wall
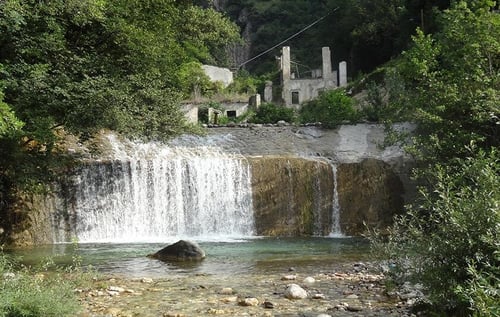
x=223 y=75
x=190 y=112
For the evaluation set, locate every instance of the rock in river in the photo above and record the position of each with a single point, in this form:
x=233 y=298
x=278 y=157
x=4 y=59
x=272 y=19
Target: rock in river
x=294 y=291
x=180 y=251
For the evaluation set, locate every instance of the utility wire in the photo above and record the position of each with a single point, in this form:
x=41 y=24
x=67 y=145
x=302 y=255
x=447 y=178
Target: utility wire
x=289 y=38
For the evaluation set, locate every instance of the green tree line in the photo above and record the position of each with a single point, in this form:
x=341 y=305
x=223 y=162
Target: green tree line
x=85 y=65
x=448 y=84
x=363 y=33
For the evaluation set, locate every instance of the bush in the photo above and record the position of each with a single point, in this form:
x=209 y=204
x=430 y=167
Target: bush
x=451 y=242
x=244 y=83
x=25 y=294
x=270 y=113
x=330 y=108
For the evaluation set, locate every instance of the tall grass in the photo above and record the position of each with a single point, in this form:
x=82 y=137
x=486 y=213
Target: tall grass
x=25 y=292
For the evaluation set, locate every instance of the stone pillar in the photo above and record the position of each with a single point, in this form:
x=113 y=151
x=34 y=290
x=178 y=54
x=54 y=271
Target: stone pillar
x=268 y=92
x=254 y=102
x=285 y=63
x=342 y=74
x=213 y=115
x=286 y=76
x=327 y=63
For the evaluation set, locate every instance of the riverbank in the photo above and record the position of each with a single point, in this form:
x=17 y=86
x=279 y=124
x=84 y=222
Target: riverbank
x=354 y=289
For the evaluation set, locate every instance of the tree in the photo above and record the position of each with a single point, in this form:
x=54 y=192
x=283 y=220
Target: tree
x=85 y=65
x=452 y=83
x=9 y=123
x=79 y=64
x=448 y=241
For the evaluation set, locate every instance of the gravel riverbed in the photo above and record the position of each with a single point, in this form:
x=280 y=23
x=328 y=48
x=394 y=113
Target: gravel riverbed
x=354 y=289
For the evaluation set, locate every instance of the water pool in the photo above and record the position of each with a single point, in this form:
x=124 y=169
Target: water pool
x=242 y=256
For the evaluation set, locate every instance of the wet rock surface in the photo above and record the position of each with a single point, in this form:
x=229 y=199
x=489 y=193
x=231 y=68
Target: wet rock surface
x=343 y=292
x=180 y=251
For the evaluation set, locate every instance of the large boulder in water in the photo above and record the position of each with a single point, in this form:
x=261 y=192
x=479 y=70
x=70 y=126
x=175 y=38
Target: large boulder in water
x=180 y=251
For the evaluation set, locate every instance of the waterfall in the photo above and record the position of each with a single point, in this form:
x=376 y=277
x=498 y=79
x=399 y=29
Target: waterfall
x=152 y=192
x=336 y=231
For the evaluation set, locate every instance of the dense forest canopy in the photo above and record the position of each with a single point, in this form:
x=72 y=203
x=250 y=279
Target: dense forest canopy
x=363 y=33
x=84 y=65
x=93 y=64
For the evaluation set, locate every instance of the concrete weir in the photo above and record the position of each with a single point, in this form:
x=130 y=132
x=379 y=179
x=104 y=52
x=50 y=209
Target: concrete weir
x=234 y=182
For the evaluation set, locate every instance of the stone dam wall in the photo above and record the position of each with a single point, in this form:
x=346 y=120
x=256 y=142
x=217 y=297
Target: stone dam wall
x=295 y=173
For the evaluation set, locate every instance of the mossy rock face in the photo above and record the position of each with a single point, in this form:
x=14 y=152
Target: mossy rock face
x=292 y=196
x=180 y=251
x=370 y=194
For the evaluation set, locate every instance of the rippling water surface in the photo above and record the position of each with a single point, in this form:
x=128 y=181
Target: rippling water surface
x=242 y=256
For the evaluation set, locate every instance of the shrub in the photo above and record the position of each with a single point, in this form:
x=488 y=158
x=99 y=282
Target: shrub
x=245 y=84
x=25 y=294
x=270 y=113
x=450 y=242
x=330 y=108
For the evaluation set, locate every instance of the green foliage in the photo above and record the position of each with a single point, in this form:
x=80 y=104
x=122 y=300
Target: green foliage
x=363 y=33
x=449 y=241
x=26 y=294
x=78 y=64
x=194 y=81
x=331 y=108
x=270 y=113
x=94 y=64
x=203 y=111
x=244 y=83
x=205 y=33
x=447 y=83
x=9 y=124
x=452 y=84
x=375 y=103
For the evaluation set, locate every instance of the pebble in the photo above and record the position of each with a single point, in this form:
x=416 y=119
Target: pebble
x=290 y=277
x=113 y=311
x=353 y=308
x=213 y=311
x=226 y=291
x=268 y=305
x=309 y=281
x=248 y=301
x=294 y=291
x=116 y=289
x=230 y=299
x=319 y=296
x=112 y=293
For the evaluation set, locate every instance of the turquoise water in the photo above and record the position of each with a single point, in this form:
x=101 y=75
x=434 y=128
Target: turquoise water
x=244 y=256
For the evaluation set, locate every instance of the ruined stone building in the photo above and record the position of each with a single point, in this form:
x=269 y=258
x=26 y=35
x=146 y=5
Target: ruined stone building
x=296 y=90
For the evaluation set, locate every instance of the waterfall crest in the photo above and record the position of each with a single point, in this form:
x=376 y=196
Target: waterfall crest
x=151 y=192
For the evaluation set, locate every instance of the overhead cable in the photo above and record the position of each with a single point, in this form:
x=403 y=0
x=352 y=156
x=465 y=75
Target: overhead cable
x=289 y=38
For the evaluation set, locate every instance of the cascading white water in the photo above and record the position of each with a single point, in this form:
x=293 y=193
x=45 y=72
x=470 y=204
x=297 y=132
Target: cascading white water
x=159 y=192
x=336 y=231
